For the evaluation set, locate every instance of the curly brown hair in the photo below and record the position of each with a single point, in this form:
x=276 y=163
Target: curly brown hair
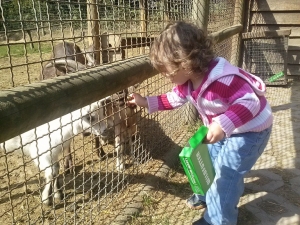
x=182 y=44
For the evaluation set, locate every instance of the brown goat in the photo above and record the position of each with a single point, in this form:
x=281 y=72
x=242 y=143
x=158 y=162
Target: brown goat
x=68 y=52
x=123 y=119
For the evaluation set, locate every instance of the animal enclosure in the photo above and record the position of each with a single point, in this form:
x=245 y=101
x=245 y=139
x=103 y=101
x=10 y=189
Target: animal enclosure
x=94 y=51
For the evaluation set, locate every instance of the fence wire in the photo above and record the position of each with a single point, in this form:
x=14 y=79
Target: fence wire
x=266 y=57
x=220 y=15
x=93 y=190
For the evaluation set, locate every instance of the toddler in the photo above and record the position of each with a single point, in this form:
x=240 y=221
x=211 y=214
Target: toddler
x=230 y=102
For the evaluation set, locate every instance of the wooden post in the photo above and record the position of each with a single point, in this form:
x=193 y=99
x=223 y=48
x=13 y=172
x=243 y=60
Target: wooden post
x=143 y=10
x=200 y=13
x=166 y=10
x=30 y=38
x=41 y=19
x=236 y=40
x=144 y=17
x=93 y=28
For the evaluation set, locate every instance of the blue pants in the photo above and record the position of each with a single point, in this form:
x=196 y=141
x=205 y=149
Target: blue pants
x=232 y=158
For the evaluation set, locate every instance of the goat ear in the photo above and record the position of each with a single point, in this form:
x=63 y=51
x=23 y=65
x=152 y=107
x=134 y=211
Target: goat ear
x=105 y=102
x=86 y=116
x=126 y=93
x=88 y=112
x=61 y=68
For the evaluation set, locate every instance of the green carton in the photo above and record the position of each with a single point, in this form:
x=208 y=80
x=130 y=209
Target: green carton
x=197 y=163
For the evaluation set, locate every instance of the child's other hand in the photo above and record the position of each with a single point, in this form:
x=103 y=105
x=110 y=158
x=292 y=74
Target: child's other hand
x=137 y=99
x=214 y=134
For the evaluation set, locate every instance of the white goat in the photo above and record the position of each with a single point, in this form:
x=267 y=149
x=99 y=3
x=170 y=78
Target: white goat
x=46 y=142
x=117 y=115
x=123 y=120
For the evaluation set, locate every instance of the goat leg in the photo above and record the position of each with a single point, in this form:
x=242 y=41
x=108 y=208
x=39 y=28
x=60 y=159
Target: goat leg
x=56 y=184
x=52 y=185
x=99 y=148
x=119 y=146
x=68 y=161
x=57 y=189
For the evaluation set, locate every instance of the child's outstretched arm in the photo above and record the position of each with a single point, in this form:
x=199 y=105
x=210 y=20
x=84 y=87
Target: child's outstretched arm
x=170 y=100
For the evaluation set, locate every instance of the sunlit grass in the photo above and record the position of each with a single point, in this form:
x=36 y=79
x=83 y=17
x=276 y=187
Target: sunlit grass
x=20 y=50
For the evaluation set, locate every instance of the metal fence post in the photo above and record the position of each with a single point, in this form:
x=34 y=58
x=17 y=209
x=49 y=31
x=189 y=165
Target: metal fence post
x=200 y=17
x=236 y=40
x=93 y=27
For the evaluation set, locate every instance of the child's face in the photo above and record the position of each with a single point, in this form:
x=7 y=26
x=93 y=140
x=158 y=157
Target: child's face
x=177 y=76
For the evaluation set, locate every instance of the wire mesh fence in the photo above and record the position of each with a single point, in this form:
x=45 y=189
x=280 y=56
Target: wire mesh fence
x=220 y=15
x=97 y=174
x=31 y=29
x=265 y=51
x=266 y=58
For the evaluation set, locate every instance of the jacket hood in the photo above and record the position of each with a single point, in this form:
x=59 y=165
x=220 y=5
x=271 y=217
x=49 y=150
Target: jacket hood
x=223 y=68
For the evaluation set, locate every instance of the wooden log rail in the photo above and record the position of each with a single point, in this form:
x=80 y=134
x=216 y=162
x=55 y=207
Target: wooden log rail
x=226 y=33
x=134 y=42
x=23 y=108
x=29 y=106
x=266 y=34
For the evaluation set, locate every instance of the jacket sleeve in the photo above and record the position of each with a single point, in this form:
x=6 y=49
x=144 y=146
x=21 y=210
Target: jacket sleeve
x=170 y=100
x=243 y=104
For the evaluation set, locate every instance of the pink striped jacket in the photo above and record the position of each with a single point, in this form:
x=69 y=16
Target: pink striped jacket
x=228 y=95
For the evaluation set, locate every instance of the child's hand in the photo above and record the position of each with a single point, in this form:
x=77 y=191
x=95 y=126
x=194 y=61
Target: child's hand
x=214 y=134
x=137 y=99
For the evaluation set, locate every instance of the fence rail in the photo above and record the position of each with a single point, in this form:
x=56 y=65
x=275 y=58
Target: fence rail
x=16 y=105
